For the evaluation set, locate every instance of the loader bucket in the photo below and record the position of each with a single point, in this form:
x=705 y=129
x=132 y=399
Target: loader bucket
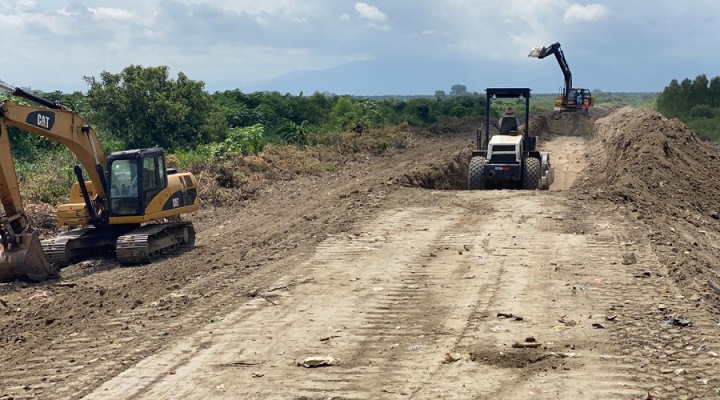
x=535 y=51
x=26 y=261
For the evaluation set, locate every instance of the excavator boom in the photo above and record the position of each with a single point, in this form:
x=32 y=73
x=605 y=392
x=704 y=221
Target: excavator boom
x=542 y=52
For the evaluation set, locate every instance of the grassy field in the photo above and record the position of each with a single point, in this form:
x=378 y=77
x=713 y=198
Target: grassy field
x=545 y=102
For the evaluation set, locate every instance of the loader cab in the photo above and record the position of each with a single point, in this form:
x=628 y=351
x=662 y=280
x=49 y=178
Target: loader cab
x=135 y=177
x=508 y=159
x=506 y=126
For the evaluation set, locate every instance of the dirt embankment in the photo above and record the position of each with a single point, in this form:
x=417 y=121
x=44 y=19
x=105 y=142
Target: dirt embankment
x=665 y=176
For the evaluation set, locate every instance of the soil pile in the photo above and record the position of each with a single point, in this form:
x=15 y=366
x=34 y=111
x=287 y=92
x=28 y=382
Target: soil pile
x=668 y=178
x=553 y=124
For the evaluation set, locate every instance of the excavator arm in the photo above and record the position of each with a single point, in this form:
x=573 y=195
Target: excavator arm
x=542 y=52
x=22 y=256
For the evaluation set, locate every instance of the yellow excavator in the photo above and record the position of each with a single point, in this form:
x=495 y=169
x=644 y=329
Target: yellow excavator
x=130 y=204
x=570 y=99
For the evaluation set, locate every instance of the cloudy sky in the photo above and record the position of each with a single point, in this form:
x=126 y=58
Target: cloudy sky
x=362 y=47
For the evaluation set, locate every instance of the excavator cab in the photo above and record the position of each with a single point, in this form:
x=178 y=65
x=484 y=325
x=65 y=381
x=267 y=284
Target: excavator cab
x=135 y=178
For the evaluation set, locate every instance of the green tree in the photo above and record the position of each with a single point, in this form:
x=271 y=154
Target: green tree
x=667 y=102
x=143 y=107
x=699 y=92
x=685 y=98
x=347 y=114
x=714 y=92
x=458 y=89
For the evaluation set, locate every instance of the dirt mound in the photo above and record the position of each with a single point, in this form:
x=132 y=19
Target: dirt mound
x=668 y=179
x=553 y=124
x=451 y=174
x=454 y=125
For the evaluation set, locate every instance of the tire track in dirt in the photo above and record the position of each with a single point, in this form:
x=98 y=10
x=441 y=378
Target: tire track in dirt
x=398 y=264
x=392 y=301
x=536 y=256
x=71 y=365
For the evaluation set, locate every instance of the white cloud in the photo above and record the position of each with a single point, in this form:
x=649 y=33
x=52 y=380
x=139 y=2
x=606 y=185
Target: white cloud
x=322 y=33
x=375 y=17
x=370 y=12
x=65 y=13
x=293 y=9
x=261 y=21
x=590 y=12
x=25 y=5
x=112 y=14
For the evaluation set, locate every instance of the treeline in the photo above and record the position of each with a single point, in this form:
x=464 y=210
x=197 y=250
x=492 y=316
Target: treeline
x=695 y=102
x=146 y=107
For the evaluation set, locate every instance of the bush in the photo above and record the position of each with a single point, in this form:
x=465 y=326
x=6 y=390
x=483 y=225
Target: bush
x=242 y=141
x=702 y=111
x=46 y=181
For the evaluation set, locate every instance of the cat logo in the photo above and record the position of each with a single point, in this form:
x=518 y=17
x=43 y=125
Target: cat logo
x=41 y=119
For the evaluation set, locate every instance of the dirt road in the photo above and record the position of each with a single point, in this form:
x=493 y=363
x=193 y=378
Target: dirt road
x=413 y=293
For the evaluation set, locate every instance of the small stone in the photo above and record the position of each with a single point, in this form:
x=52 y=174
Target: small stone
x=629 y=259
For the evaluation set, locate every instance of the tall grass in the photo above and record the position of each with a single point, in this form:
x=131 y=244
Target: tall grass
x=47 y=180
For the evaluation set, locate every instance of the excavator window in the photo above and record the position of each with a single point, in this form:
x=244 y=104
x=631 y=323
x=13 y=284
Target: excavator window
x=162 y=171
x=151 y=186
x=135 y=181
x=124 y=187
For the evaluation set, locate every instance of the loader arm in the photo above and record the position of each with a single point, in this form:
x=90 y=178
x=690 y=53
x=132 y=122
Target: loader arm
x=542 y=52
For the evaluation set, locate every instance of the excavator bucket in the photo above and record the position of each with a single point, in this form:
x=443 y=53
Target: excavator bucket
x=26 y=261
x=535 y=51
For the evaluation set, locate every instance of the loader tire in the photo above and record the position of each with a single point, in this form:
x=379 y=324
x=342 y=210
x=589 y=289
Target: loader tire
x=531 y=174
x=476 y=176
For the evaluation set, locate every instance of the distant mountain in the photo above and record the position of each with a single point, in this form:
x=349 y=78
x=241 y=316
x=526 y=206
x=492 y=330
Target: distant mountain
x=393 y=77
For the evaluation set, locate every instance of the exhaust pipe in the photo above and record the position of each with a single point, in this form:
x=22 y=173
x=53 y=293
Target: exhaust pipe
x=25 y=260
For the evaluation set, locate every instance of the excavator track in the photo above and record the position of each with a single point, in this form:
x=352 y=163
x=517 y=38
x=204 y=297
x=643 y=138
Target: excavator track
x=141 y=245
x=79 y=244
x=59 y=250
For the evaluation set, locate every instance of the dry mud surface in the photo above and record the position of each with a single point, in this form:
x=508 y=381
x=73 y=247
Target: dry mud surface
x=602 y=287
